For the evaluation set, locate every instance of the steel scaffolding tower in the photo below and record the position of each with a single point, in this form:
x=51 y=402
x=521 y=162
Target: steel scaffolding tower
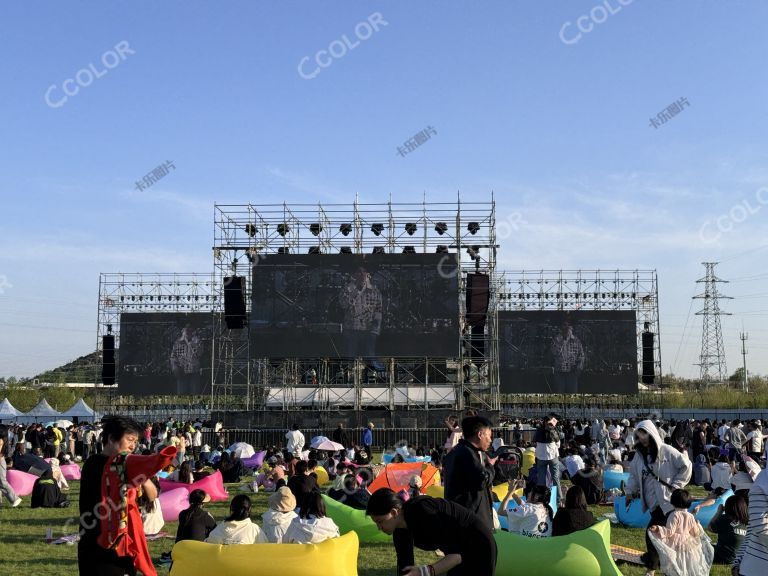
x=712 y=356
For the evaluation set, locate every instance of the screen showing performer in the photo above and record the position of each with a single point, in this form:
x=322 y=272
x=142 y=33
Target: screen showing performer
x=568 y=352
x=165 y=353
x=371 y=306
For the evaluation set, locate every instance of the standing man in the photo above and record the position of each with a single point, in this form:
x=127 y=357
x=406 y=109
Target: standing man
x=568 y=355
x=294 y=441
x=340 y=436
x=468 y=471
x=368 y=439
x=547 y=453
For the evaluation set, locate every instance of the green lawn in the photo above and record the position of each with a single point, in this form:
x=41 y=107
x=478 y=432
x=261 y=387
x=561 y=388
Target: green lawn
x=24 y=552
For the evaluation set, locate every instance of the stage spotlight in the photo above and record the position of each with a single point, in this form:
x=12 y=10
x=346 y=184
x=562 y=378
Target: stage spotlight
x=442 y=249
x=345 y=250
x=377 y=228
x=409 y=250
x=283 y=229
x=345 y=229
x=283 y=250
x=378 y=250
x=441 y=228
x=473 y=227
x=314 y=250
x=410 y=228
x=315 y=228
x=472 y=252
x=251 y=230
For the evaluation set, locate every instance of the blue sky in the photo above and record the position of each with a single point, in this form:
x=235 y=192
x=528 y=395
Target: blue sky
x=559 y=132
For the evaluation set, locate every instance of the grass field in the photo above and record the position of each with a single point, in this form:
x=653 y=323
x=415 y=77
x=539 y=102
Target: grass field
x=23 y=550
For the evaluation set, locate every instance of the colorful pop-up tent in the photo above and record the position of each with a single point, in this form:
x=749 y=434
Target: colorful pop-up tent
x=397 y=476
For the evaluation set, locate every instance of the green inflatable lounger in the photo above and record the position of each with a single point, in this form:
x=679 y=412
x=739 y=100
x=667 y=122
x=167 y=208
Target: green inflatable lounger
x=349 y=519
x=583 y=553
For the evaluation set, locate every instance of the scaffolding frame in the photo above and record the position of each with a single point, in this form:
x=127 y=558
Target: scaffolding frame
x=636 y=290
x=147 y=292
x=244 y=234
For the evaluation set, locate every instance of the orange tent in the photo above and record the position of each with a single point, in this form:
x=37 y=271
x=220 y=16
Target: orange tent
x=396 y=476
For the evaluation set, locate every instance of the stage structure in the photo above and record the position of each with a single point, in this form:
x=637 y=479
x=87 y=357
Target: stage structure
x=591 y=290
x=462 y=234
x=121 y=293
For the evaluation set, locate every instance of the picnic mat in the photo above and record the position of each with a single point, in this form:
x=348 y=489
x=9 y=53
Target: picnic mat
x=625 y=554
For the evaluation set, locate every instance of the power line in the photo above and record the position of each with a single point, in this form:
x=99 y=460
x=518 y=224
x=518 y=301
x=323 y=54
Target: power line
x=712 y=357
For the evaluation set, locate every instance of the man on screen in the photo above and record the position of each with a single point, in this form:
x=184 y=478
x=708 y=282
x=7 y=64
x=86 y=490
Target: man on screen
x=185 y=361
x=568 y=356
x=362 y=305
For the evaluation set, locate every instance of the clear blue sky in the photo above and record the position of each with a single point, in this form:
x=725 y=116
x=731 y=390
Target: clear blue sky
x=559 y=132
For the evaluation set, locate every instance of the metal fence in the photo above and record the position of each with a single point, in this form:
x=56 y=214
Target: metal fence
x=382 y=438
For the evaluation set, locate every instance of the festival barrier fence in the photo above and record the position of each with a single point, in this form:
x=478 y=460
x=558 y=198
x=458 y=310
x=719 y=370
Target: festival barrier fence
x=337 y=556
x=349 y=519
x=387 y=458
x=585 y=552
x=213 y=486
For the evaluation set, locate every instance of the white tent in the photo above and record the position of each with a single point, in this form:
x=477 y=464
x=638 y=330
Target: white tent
x=40 y=413
x=80 y=410
x=7 y=411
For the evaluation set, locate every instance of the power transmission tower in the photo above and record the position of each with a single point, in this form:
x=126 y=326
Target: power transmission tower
x=744 y=337
x=712 y=357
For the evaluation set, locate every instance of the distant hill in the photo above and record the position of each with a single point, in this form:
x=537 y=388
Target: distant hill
x=84 y=369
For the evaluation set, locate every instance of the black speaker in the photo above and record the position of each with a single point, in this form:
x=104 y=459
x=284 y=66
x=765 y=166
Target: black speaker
x=477 y=342
x=234 y=302
x=108 y=360
x=649 y=366
x=478 y=294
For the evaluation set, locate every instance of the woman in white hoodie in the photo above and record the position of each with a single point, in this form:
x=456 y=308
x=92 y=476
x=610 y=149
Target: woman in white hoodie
x=278 y=518
x=655 y=471
x=312 y=525
x=237 y=528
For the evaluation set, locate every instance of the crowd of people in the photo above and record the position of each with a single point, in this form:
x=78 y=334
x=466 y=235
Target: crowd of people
x=661 y=459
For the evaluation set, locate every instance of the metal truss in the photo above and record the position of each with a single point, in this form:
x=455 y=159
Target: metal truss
x=148 y=292
x=244 y=234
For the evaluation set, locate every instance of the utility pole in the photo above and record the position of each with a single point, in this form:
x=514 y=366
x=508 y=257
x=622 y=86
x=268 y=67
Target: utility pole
x=744 y=337
x=712 y=356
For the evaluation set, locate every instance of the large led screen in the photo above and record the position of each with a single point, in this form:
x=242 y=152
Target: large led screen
x=165 y=353
x=573 y=352
x=355 y=306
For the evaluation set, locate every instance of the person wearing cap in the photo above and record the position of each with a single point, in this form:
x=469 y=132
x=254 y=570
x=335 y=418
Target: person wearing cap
x=278 y=517
x=195 y=523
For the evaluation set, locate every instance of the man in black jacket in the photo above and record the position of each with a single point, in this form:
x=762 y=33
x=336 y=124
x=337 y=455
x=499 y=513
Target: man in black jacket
x=468 y=471
x=340 y=435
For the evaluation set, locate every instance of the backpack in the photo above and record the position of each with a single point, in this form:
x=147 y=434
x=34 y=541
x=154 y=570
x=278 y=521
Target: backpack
x=701 y=472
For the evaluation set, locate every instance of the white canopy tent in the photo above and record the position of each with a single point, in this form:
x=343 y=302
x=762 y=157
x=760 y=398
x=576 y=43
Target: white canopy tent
x=40 y=413
x=81 y=411
x=7 y=411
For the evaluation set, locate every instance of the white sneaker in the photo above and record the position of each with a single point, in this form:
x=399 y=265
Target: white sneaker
x=16 y=502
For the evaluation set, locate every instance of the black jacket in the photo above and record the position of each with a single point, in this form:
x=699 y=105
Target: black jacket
x=468 y=480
